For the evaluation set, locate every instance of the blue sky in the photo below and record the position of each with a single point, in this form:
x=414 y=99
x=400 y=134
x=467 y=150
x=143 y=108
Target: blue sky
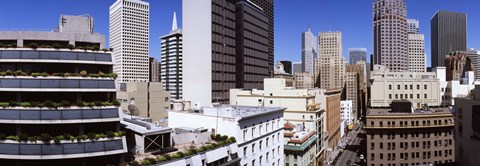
x=351 y=17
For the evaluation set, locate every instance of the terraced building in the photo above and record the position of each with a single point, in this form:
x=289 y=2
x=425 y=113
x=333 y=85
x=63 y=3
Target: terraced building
x=58 y=105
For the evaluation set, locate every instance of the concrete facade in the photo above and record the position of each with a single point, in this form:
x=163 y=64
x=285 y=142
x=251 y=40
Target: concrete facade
x=149 y=97
x=303 y=106
x=419 y=88
x=467 y=130
x=410 y=138
x=258 y=130
x=303 y=81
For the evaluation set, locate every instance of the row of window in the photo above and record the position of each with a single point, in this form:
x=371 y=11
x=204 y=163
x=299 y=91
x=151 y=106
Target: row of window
x=414 y=155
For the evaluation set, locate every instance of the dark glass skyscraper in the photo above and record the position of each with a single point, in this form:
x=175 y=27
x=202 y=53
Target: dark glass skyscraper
x=449 y=33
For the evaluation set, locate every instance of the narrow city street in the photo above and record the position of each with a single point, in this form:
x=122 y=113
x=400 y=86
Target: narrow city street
x=354 y=148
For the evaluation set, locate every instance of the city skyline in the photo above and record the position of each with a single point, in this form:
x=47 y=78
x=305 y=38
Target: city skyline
x=290 y=21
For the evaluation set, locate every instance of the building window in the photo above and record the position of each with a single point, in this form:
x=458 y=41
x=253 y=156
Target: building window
x=418 y=96
x=425 y=95
x=424 y=86
x=418 y=86
x=389 y=96
x=398 y=87
x=390 y=87
x=271 y=101
x=411 y=86
x=406 y=87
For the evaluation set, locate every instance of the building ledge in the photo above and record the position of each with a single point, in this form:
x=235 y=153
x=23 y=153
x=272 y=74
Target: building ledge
x=40 y=151
x=21 y=115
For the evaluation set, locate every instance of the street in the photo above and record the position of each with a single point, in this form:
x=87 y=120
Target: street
x=353 y=150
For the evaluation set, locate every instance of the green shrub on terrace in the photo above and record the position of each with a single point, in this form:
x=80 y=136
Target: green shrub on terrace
x=167 y=156
x=58 y=139
x=23 y=137
x=33 y=45
x=146 y=162
x=35 y=74
x=151 y=160
x=45 y=137
x=25 y=104
x=202 y=149
x=161 y=158
x=65 y=103
x=12 y=137
x=4 y=104
x=135 y=163
x=110 y=134
x=91 y=136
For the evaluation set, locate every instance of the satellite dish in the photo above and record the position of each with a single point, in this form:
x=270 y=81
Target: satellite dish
x=133 y=110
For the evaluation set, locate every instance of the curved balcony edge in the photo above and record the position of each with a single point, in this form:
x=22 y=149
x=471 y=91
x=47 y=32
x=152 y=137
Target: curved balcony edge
x=30 y=151
x=64 y=115
x=18 y=84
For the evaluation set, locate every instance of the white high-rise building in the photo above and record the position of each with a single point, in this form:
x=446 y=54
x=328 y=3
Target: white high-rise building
x=416 y=53
x=129 y=35
x=309 y=53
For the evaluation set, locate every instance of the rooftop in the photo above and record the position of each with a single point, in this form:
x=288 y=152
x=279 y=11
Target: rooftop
x=387 y=112
x=138 y=125
x=232 y=111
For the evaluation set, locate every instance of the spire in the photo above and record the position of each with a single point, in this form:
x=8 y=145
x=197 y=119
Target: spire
x=308 y=27
x=174 y=23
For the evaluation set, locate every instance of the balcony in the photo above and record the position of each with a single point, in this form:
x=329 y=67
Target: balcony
x=54 y=56
x=19 y=115
x=65 y=150
x=56 y=84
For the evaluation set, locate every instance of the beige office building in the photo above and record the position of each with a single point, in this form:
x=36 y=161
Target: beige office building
x=303 y=81
x=416 y=53
x=330 y=65
x=314 y=109
x=356 y=86
x=148 y=97
x=410 y=137
x=279 y=72
x=420 y=88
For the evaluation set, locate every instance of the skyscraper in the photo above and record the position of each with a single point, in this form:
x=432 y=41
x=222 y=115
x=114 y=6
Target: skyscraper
x=416 y=47
x=268 y=7
x=297 y=67
x=309 y=54
x=171 y=64
x=413 y=26
x=357 y=54
x=330 y=65
x=129 y=35
x=220 y=50
x=154 y=75
x=449 y=33
x=474 y=56
x=416 y=53
x=390 y=34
